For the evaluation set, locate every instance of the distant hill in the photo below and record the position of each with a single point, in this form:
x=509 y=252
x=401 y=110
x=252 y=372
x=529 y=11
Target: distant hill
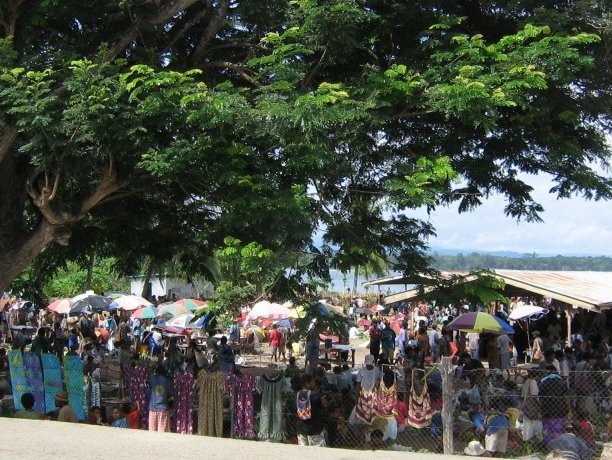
x=509 y=254
x=468 y=261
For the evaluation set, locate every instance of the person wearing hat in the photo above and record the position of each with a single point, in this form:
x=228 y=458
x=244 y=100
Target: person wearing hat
x=65 y=412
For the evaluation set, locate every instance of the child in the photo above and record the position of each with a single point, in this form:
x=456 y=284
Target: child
x=496 y=428
x=132 y=415
x=584 y=428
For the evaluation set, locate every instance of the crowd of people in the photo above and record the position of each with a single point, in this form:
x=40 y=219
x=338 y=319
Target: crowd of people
x=190 y=384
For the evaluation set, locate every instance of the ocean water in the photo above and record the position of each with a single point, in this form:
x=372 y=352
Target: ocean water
x=343 y=282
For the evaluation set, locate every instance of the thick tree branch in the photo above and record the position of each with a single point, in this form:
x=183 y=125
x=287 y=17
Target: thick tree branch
x=188 y=25
x=314 y=71
x=236 y=68
x=170 y=9
x=217 y=22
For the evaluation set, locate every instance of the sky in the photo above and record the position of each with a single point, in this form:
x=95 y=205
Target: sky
x=571 y=226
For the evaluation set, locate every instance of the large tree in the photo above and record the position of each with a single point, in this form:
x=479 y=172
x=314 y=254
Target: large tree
x=338 y=116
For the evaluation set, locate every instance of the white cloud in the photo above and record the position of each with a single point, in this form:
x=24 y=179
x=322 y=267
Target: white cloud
x=570 y=226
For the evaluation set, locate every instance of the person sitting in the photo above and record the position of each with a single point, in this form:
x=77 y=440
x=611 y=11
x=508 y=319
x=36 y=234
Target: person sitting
x=94 y=417
x=119 y=420
x=28 y=412
x=497 y=427
x=132 y=415
x=65 y=413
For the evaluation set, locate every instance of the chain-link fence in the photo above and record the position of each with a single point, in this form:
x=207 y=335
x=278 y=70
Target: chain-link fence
x=519 y=412
x=512 y=413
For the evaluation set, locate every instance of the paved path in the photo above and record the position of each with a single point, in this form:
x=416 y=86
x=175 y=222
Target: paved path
x=32 y=440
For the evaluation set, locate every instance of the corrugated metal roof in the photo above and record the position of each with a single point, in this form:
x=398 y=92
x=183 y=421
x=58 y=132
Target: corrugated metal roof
x=583 y=289
x=590 y=290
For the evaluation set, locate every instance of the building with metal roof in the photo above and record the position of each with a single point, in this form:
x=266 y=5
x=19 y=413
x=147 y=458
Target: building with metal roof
x=589 y=290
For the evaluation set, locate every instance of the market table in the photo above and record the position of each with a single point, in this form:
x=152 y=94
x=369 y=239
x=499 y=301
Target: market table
x=339 y=349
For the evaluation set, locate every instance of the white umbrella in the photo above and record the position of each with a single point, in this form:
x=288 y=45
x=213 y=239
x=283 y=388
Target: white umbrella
x=265 y=309
x=182 y=322
x=132 y=302
x=526 y=311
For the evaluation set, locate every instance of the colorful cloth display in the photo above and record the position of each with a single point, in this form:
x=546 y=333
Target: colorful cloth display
x=18 y=377
x=271 y=420
x=184 y=385
x=385 y=399
x=210 y=407
x=73 y=376
x=419 y=406
x=241 y=388
x=52 y=376
x=138 y=387
x=34 y=379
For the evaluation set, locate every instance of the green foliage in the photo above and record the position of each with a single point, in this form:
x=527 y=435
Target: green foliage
x=335 y=116
x=71 y=280
x=316 y=320
x=227 y=301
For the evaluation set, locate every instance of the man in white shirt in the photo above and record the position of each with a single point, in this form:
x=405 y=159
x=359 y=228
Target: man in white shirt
x=401 y=338
x=473 y=339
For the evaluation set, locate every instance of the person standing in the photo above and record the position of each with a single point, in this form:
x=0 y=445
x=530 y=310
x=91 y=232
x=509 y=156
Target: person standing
x=234 y=333
x=434 y=343
x=374 y=333
x=161 y=391
x=401 y=339
x=226 y=356
x=473 y=339
x=503 y=345
x=275 y=341
x=387 y=339
x=310 y=423
x=537 y=354
x=422 y=346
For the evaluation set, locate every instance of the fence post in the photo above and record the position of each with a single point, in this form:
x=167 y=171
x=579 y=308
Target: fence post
x=448 y=398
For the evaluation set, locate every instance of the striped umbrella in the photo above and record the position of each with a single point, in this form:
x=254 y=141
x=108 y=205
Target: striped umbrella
x=172 y=310
x=190 y=304
x=145 y=313
x=480 y=322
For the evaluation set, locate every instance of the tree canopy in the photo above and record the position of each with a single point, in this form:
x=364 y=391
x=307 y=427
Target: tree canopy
x=156 y=129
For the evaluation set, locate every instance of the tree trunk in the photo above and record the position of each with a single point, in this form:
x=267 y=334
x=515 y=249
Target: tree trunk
x=90 y=267
x=355 y=281
x=146 y=291
x=21 y=255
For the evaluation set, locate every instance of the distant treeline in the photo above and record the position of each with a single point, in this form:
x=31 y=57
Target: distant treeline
x=476 y=261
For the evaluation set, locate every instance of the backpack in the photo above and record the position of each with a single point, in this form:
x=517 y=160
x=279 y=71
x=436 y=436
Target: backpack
x=386 y=335
x=302 y=402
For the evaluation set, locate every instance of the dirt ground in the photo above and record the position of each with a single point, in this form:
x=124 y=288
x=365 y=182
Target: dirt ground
x=36 y=440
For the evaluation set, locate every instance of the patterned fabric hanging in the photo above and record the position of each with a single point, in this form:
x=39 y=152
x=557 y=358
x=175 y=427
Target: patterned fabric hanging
x=241 y=388
x=73 y=376
x=419 y=407
x=34 y=379
x=271 y=419
x=385 y=399
x=52 y=375
x=210 y=407
x=138 y=387
x=184 y=385
x=18 y=377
